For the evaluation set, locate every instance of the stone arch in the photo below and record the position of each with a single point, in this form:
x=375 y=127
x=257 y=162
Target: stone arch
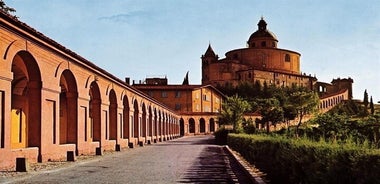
x=136 y=119
x=112 y=115
x=191 y=125
x=94 y=108
x=68 y=108
x=202 y=125
x=212 y=125
x=26 y=102
x=181 y=127
x=126 y=125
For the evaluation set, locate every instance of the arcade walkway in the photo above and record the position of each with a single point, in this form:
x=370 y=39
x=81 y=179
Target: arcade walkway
x=184 y=160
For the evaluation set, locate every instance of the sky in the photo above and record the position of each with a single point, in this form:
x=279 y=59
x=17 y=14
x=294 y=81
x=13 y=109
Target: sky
x=158 y=38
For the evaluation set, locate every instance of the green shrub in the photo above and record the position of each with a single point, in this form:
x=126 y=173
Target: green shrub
x=221 y=136
x=303 y=161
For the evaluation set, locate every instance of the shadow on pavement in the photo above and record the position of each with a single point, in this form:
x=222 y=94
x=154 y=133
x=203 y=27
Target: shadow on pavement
x=214 y=165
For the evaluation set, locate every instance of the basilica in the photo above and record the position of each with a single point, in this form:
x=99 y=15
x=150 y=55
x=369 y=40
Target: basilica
x=262 y=61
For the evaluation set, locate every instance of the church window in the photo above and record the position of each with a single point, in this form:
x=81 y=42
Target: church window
x=235 y=56
x=273 y=44
x=253 y=44
x=287 y=57
x=263 y=44
x=249 y=75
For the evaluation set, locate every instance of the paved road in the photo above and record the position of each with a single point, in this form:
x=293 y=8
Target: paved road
x=184 y=160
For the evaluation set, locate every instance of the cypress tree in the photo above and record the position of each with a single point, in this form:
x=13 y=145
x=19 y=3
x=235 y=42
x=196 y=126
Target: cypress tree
x=371 y=106
x=365 y=100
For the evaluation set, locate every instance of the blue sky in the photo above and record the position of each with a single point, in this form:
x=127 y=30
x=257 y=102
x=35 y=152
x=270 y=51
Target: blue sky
x=145 y=38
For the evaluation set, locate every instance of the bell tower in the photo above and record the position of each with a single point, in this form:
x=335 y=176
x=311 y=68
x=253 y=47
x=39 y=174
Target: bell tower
x=208 y=58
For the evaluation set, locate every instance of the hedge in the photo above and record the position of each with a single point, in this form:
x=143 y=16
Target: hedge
x=303 y=161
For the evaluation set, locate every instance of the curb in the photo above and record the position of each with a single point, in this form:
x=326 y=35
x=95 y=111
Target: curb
x=248 y=168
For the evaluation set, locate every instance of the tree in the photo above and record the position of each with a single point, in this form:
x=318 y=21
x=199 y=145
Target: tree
x=371 y=106
x=233 y=109
x=365 y=101
x=186 y=79
x=333 y=126
x=304 y=102
x=270 y=112
x=5 y=8
x=290 y=113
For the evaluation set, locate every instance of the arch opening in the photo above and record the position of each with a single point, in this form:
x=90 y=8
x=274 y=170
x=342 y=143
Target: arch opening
x=26 y=102
x=94 y=111
x=136 y=120
x=202 y=125
x=126 y=127
x=112 y=115
x=212 y=125
x=191 y=125
x=68 y=108
x=182 y=127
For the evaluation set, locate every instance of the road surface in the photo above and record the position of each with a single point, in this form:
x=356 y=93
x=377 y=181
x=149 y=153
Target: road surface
x=183 y=160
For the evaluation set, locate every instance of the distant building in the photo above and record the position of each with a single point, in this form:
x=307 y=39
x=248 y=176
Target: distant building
x=261 y=61
x=264 y=62
x=197 y=105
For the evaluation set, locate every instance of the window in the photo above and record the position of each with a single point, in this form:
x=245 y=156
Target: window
x=287 y=57
x=253 y=44
x=177 y=107
x=164 y=94
x=178 y=94
x=263 y=44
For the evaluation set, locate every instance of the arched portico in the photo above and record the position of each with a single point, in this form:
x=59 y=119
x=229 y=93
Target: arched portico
x=126 y=127
x=191 y=125
x=112 y=115
x=150 y=122
x=202 y=125
x=136 y=122
x=26 y=102
x=212 y=125
x=143 y=122
x=94 y=108
x=68 y=106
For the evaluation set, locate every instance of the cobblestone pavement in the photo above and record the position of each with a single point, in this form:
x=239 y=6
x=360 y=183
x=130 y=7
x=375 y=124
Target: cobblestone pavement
x=183 y=160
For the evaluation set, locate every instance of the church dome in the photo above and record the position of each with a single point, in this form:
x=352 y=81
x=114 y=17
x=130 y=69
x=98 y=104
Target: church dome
x=262 y=35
